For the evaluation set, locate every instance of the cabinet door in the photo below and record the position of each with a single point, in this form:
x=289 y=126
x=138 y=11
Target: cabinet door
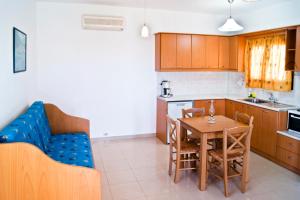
x=168 y=51
x=268 y=132
x=257 y=124
x=212 y=52
x=198 y=51
x=218 y=104
x=184 y=51
x=298 y=50
x=240 y=107
x=233 y=53
x=224 y=53
x=230 y=109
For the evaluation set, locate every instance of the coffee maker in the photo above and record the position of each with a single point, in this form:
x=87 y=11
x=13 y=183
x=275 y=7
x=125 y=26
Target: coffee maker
x=165 y=89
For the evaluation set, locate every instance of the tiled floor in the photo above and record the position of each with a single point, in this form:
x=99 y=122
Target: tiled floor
x=136 y=169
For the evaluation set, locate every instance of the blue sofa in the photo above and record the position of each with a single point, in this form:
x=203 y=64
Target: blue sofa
x=46 y=154
x=33 y=127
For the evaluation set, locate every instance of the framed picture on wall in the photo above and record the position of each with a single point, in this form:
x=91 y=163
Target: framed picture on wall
x=19 y=50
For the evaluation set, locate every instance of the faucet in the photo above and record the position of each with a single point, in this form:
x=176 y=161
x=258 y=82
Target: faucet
x=272 y=98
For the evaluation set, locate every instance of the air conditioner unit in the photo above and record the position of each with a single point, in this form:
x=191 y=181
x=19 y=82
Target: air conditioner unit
x=109 y=23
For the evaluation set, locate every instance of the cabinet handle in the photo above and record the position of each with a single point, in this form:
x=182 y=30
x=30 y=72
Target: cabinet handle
x=289 y=157
x=290 y=144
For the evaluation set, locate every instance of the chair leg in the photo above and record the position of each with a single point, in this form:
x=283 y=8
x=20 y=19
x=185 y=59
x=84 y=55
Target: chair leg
x=225 y=178
x=170 y=164
x=245 y=175
x=177 y=171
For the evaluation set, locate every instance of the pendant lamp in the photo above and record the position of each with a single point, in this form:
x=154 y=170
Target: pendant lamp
x=145 y=32
x=230 y=25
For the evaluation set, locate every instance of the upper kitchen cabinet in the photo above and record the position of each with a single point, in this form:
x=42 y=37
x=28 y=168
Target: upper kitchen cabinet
x=224 y=46
x=236 y=53
x=165 y=52
x=198 y=51
x=298 y=50
x=291 y=40
x=184 y=51
x=212 y=52
x=194 y=52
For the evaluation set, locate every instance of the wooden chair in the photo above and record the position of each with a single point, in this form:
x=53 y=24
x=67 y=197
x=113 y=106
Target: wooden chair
x=185 y=152
x=236 y=145
x=189 y=113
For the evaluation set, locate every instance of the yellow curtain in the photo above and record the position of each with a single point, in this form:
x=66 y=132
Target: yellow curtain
x=265 y=64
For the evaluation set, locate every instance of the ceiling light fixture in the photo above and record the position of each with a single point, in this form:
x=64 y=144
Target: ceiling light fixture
x=145 y=32
x=230 y=25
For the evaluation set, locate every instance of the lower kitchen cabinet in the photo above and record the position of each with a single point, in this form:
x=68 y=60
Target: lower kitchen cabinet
x=256 y=112
x=266 y=124
x=219 y=105
x=269 y=132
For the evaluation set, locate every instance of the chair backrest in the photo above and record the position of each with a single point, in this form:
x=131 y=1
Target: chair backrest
x=243 y=118
x=174 y=132
x=237 y=140
x=193 y=112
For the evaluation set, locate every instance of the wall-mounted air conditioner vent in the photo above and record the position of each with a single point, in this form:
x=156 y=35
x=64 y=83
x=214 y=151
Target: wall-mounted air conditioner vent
x=109 y=23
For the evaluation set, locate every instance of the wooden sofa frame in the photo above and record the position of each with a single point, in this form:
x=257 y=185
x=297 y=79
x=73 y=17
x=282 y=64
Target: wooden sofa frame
x=27 y=173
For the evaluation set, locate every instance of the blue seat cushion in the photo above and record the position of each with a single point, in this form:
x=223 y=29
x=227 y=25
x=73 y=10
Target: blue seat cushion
x=71 y=148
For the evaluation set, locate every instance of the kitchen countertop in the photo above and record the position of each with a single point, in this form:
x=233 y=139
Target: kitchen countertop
x=229 y=97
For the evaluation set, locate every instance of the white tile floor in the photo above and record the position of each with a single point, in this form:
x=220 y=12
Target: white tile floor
x=137 y=169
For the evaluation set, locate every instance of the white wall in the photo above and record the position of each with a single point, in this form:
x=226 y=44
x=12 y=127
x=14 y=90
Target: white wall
x=107 y=77
x=16 y=89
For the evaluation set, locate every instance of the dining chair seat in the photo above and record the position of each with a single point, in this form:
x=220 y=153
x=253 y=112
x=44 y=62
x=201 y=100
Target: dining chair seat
x=188 y=147
x=218 y=155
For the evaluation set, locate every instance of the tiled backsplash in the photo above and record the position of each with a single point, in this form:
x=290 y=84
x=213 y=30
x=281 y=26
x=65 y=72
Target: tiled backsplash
x=221 y=83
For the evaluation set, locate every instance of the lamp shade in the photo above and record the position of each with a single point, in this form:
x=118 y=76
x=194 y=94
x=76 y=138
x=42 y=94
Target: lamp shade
x=145 y=31
x=230 y=26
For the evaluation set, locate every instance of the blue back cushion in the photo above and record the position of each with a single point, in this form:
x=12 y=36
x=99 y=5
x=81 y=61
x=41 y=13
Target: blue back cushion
x=31 y=127
x=38 y=111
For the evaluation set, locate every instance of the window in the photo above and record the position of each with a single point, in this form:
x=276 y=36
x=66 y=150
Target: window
x=265 y=63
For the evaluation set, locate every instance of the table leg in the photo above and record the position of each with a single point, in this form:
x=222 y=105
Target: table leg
x=203 y=163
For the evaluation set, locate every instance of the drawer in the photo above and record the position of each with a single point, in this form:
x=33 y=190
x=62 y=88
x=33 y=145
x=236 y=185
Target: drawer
x=288 y=157
x=289 y=144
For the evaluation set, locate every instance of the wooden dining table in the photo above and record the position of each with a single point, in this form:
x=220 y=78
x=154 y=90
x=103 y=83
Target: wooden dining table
x=206 y=131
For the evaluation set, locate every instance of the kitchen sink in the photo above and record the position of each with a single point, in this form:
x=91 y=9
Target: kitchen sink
x=267 y=103
x=258 y=101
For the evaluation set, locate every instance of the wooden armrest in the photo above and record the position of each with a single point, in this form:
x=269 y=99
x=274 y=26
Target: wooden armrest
x=61 y=122
x=27 y=173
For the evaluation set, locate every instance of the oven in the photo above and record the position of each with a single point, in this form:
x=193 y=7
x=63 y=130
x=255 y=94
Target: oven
x=294 y=120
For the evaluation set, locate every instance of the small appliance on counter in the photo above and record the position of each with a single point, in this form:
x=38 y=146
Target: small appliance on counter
x=165 y=89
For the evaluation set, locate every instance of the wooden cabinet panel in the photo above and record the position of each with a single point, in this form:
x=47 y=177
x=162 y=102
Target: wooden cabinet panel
x=268 y=132
x=233 y=53
x=184 y=51
x=230 y=109
x=241 y=107
x=257 y=124
x=289 y=158
x=289 y=144
x=198 y=51
x=168 y=51
x=224 y=47
x=161 y=120
x=236 y=53
x=298 y=50
x=212 y=52
x=219 y=105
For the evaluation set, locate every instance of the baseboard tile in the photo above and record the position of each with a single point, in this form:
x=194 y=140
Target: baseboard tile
x=123 y=137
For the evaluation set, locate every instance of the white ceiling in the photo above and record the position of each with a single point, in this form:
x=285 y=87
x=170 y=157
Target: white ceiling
x=207 y=6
